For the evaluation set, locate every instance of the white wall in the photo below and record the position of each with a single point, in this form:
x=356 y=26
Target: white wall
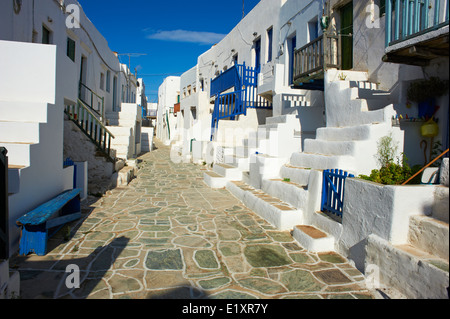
x=45 y=178
x=167 y=98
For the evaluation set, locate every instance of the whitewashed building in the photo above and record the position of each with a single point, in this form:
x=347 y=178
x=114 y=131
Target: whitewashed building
x=166 y=121
x=58 y=73
x=301 y=87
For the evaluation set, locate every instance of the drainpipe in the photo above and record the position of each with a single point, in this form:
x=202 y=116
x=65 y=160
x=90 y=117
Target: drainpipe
x=168 y=125
x=191 y=143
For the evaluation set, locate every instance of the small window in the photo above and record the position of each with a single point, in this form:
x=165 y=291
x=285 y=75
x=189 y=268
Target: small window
x=108 y=81
x=46 y=35
x=235 y=59
x=71 y=49
x=102 y=81
x=269 y=44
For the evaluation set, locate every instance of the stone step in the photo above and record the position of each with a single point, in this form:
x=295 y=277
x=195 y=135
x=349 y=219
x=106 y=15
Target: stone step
x=413 y=272
x=18 y=111
x=278 y=213
x=289 y=192
x=19 y=132
x=352 y=133
x=242 y=163
x=313 y=239
x=330 y=147
x=430 y=235
x=230 y=172
x=322 y=161
x=297 y=175
x=19 y=153
x=214 y=180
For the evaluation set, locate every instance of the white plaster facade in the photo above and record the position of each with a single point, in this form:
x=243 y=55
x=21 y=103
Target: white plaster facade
x=45 y=54
x=308 y=131
x=166 y=122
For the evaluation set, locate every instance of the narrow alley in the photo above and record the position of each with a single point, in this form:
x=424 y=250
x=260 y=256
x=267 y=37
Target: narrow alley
x=168 y=235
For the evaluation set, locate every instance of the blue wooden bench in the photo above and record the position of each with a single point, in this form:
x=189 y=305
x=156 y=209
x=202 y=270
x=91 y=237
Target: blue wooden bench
x=43 y=222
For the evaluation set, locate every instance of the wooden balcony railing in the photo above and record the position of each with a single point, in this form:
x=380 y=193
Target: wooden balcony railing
x=314 y=57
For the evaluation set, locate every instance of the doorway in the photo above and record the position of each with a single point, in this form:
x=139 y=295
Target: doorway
x=83 y=79
x=346 y=32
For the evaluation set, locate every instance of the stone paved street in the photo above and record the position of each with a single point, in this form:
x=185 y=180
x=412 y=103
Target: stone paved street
x=168 y=235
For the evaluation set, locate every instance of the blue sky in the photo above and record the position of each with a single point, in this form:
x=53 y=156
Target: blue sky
x=172 y=34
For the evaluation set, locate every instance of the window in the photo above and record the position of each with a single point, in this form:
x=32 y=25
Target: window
x=313 y=29
x=71 y=49
x=269 y=44
x=102 y=81
x=108 y=81
x=46 y=35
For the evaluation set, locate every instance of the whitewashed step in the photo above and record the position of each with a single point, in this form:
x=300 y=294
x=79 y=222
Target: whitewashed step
x=313 y=239
x=19 y=153
x=19 y=111
x=330 y=147
x=295 y=174
x=243 y=163
x=214 y=180
x=352 y=133
x=430 y=235
x=278 y=213
x=19 y=132
x=289 y=192
x=322 y=162
x=231 y=173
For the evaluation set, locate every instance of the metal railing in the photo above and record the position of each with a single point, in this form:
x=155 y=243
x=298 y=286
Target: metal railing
x=4 y=209
x=82 y=115
x=94 y=101
x=317 y=55
x=229 y=105
x=225 y=80
x=406 y=19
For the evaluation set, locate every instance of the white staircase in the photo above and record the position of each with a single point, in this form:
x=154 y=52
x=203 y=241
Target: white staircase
x=419 y=268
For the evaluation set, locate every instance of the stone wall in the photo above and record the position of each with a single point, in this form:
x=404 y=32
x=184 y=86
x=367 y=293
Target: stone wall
x=79 y=148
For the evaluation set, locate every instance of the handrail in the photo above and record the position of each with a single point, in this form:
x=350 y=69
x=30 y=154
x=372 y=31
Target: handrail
x=428 y=165
x=87 y=108
x=91 y=126
x=102 y=111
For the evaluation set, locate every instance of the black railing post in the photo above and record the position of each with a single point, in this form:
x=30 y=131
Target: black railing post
x=4 y=209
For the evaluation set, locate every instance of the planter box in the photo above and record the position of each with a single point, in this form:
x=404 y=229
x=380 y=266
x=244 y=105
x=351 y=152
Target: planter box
x=383 y=210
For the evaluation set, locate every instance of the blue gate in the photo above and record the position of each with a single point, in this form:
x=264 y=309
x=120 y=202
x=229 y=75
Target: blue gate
x=333 y=190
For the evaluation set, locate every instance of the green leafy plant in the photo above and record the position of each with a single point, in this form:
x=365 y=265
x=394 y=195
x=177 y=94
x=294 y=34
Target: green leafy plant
x=394 y=169
x=422 y=90
x=286 y=179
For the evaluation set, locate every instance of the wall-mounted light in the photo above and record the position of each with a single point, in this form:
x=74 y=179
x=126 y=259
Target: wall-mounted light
x=255 y=34
x=233 y=50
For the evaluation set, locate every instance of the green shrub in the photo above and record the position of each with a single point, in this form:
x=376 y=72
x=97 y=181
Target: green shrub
x=391 y=173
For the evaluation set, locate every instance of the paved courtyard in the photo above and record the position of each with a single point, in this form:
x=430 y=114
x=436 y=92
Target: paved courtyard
x=168 y=235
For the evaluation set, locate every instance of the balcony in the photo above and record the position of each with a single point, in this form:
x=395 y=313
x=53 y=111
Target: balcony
x=416 y=31
x=311 y=60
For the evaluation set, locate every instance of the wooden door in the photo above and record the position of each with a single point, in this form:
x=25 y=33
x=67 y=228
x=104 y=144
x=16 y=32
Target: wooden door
x=347 y=36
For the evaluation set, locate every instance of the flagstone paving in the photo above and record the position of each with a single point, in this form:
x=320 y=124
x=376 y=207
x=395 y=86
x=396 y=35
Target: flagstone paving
x=168 y=235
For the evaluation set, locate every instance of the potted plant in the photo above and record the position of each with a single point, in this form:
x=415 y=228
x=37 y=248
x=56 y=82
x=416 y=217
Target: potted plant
x=425 y=92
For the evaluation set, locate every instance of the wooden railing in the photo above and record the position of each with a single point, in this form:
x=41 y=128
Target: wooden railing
x=317 y=55
x=4 y=210
x=92 y=127
x=408 y=18
x=88 y=97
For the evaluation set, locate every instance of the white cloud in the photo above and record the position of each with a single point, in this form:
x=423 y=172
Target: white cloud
x=187 y=36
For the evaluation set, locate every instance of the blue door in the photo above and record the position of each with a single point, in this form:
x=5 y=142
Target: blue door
x=258 y=56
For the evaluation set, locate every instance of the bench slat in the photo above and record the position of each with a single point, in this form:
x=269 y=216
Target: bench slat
x=62 y=220
x=42 y=213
